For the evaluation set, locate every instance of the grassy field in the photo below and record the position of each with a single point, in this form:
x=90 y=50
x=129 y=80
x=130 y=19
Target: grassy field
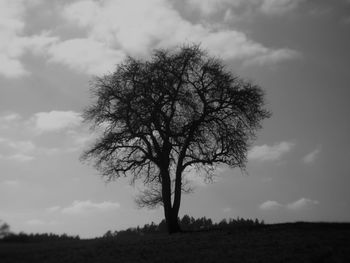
x=298 y=242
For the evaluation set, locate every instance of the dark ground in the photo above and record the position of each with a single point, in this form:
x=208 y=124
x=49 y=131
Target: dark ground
x=297 y=242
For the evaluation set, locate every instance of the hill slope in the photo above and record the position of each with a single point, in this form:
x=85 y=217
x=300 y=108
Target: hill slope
x=298 y=242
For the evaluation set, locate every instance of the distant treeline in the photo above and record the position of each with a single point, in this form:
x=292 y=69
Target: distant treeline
x=187 y=223
x=7 y=236
x=29 y=238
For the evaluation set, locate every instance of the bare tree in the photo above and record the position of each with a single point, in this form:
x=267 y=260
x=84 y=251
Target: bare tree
x=181 y=109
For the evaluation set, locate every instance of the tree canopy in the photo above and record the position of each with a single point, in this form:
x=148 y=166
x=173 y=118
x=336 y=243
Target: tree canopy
x=180 y=109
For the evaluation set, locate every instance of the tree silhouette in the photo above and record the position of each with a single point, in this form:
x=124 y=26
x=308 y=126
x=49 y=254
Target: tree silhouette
x=4 y=229
x=159 y=118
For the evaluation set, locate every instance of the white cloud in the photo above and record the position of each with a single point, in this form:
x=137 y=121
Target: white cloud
x=10 y=11
x=86 y=55
x=302 y=203
x=311 y=157
x=22 y=146
x=10 y=117
x=212 y=6
x=20 y=157
x=118 y=28
x=80 y=139
x=270 y=205
x=56 y=120
x=231 y=44
x=38 y=44
x=82 y=207
x=131 y=25
x=16 y=150
x=9 y=120
x=11 y=67
x=45 y=121
x=268 y=7
x=278 y=6
x=63 y=130
x=82 y=12
x=273 y=57
x=12 y=43
x=85 y=207
x=269 y=153
x=115 y=28
x=11 y=23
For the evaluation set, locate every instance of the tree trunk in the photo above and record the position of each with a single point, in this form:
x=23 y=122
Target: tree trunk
x=171 y=218
x=173 y=223
x=173 y=226
x=171 y=214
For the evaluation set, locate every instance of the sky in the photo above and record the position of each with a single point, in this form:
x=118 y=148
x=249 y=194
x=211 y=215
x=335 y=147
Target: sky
x=296 y=50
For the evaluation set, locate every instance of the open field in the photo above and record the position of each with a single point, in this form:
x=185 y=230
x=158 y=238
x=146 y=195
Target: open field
x=297 y=242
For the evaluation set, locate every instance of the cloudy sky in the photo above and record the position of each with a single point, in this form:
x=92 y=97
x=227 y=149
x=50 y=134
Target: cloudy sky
x=297 y=50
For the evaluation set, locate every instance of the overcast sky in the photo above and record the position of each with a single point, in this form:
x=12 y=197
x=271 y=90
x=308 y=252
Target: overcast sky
x=297 y=50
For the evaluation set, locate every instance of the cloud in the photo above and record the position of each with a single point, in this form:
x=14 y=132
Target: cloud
x=9 y=120
x=13 y=44
x=10 y=117
x=302 y=203
x=11 y=11
x=267 y=7
x=22 y=146
x=59 y=131
x=273 y=57
x=80 y=139
x=19 y=157
x=56 y=120
x=235 y=45
x=270 y=153
x=11 y=23
x=10 y=67
x=211 y=6
x=278 y=7
x=16 y=150
x=270 y=205
x=38 y=44
x=45 y=121
x=86 y=55
x=82 y=207
x=116 y=28
x=312 y=156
